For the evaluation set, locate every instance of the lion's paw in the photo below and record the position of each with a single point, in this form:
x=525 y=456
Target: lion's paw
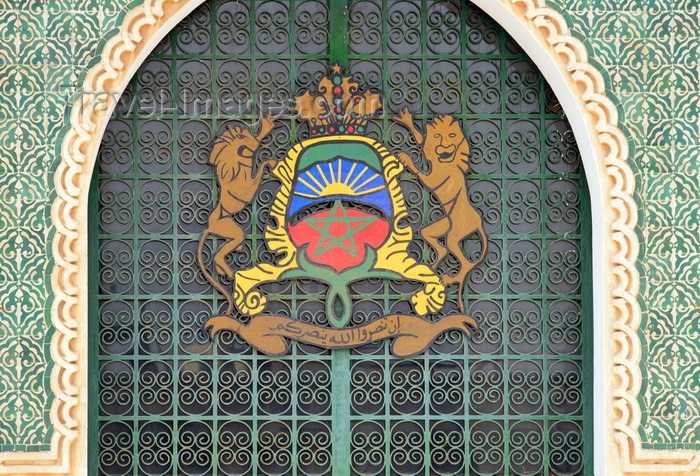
x=250 y=303
x=430 y=299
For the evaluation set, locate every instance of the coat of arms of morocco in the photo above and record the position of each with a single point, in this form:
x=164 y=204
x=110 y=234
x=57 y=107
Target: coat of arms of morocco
x=339 y=216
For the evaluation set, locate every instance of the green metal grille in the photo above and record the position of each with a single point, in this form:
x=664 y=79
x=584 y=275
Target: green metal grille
x=166 y=399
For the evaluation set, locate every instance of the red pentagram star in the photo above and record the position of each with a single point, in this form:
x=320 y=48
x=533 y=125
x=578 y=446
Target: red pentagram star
x=331 y=229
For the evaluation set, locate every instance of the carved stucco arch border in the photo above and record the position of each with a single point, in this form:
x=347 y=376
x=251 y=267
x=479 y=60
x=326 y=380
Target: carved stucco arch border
x=563 y=59
x=142 y=29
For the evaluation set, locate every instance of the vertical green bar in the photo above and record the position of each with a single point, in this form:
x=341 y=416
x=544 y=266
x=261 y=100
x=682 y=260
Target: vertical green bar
x=340 y=409
x=339 y=31
x=340 y=429
x=587 y=351
x=93 y=323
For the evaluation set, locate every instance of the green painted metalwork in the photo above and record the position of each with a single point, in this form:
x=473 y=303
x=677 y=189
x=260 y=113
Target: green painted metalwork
x=513 y=399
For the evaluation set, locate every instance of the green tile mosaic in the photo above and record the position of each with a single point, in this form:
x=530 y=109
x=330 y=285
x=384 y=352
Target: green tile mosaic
x=689 y=324
x=45 y=50
x=660 y=268
x=658 y=323
x=648 y=50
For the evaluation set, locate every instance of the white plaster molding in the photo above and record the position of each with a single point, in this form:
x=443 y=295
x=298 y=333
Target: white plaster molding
x=543 y=33
x=561 y=80
x=562 y=58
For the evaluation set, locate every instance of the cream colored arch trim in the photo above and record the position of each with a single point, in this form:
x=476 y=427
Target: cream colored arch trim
x=616 y=311
x=543 y=33
x=141 y=30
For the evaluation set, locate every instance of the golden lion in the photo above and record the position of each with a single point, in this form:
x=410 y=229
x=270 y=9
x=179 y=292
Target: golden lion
x=232 y=155
x=447 y=151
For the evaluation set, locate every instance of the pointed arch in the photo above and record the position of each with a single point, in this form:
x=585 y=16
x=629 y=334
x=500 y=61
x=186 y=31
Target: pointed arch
x=140 y=31
x=544 y=35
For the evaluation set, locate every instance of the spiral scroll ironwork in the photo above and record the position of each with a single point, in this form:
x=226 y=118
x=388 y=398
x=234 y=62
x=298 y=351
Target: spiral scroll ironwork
x=509 y=400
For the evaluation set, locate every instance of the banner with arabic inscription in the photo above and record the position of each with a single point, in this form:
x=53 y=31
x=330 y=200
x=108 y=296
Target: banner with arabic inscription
x=412 y=334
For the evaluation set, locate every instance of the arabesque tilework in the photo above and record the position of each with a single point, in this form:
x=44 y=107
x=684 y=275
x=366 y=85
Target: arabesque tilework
x=649 y=50
x=45 y=49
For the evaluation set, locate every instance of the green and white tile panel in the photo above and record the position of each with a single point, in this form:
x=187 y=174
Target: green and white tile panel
x=648 y=49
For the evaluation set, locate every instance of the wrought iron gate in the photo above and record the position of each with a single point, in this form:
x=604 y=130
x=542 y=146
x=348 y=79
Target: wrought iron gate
x=514 y=398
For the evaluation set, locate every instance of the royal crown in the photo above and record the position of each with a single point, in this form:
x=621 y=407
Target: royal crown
x=337 y=107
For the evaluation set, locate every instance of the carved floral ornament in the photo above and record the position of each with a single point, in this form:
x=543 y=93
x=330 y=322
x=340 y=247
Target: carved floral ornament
x=141 y=30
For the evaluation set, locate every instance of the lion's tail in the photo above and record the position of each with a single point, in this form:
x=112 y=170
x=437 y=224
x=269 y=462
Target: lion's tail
x=484 y=243
x=220 y=287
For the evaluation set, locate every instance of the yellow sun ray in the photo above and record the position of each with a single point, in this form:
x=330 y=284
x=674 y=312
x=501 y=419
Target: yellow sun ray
x=308 y=195
x=332 y=172
x=349 y=175
x=372 y=190
x=318 y=191
x=320 y=185
x=362 y=172
x=323 y=176
x=372 y=177
x=341 y=182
